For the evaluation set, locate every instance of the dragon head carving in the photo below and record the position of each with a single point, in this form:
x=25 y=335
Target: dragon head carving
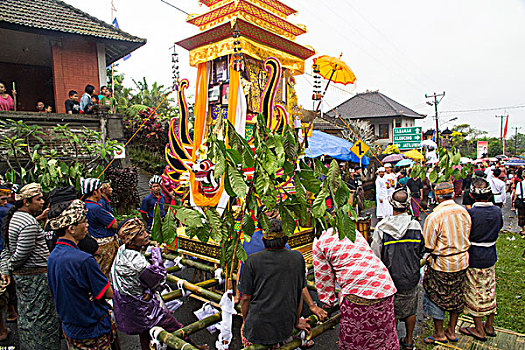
x=204 y=173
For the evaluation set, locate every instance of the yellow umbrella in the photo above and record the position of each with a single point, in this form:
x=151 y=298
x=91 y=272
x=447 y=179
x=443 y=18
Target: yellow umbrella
x=333 y=69
x=415 y=155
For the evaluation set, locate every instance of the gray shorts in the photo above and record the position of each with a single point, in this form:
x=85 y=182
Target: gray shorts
x=432 y=310
x=405 y=303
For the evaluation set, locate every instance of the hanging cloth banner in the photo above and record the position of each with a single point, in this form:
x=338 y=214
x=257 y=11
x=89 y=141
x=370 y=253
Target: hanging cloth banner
x=236 y=116
x=237 y=107
x=200 y=111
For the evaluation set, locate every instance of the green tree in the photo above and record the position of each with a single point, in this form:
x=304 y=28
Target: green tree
x=464 y=137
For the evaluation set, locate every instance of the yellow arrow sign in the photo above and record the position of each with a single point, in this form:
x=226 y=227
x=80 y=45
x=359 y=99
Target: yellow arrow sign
x=359 y=148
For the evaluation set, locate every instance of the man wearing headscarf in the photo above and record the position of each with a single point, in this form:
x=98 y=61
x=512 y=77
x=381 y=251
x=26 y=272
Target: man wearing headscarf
x=56 y=197
x=105 y=196
x=446 y=236
x=399 y=243
x=10 y=291
x=391 y=183
x=137 y=283
x=382 y=207
x=155 y=197
x=24 y=257
x=77 y=284
x=5 y=193
x=102 y=224
x=480 y=291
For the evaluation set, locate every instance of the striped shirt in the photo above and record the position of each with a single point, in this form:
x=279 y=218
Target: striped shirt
x=27 y=245
x=446 y=234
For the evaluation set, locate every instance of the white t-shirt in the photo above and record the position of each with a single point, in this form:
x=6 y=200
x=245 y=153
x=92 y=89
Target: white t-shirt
x=499 y=188
x=519 y=185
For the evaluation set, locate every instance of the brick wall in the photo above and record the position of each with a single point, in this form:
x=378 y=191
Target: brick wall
x=75 y=65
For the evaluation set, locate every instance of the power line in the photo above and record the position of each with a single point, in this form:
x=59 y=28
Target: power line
x=485 y=109
x=175 y=7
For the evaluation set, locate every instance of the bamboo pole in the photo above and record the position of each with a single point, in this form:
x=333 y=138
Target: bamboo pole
x=189 y=263
x=197 y=326
x=314 y=332
x=174 y=342
x=178 y=293
x=198 y=290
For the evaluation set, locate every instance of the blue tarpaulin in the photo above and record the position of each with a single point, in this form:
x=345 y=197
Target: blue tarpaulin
x=325 y=144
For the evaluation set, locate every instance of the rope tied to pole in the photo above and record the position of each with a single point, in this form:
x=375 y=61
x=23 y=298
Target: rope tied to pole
x=180 y=285
x=218 y=275
x=155 y=342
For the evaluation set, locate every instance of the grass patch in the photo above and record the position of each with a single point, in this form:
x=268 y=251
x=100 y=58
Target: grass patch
x=510 y=282
x=510 y=288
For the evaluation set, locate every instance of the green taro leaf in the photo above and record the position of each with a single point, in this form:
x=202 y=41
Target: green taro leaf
x=299 y=191
x=319 y=205
x=342 y=195
x=248 y=158
x=334 y=174
x=215 y=223
x=309 y=181
x=220 y=165
x=203 y=234
x=237 y=182
x=248 y=226
x=290 y=145
x=320 y=168
x=189 y=217
x=156 y=227
x=241 y=253
x=227 y=185
x=264 y=222
x=234 y=156
x=169 y=227
x=288 y=168
x=287 y=220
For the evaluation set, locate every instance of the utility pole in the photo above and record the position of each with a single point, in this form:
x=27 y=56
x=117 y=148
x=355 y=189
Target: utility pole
x=435 y=104
x=501 y=130
x=516 y=128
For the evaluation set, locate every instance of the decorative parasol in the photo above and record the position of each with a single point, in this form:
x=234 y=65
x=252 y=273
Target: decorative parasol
x=415 y=155
x=393 y=158
x=405 y=162
x=429 y=143
x=335 y=70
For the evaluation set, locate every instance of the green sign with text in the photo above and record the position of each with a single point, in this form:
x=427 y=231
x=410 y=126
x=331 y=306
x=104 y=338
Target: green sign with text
x=408 y=138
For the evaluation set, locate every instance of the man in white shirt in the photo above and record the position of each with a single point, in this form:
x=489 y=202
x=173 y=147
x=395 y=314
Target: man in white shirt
x=391 y=182
x=499 y=188
x=382 y=210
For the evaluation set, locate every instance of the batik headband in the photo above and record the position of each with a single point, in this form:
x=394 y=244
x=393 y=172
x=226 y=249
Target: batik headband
x=130 y=229
x=444 y=188
x=398 y=204
x=72 y=215
x=481 y=190
x=29 y=191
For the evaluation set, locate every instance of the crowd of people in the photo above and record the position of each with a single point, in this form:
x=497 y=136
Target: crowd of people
x=88 y=104
x=68 y=267
x=65 y=267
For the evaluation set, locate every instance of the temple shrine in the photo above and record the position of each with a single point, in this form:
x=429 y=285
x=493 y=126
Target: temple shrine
x=247 y=58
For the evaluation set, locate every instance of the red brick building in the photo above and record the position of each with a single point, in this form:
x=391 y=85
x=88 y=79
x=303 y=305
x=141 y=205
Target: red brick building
x=48 y=47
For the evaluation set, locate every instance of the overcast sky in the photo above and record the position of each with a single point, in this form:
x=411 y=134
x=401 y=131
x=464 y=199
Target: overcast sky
x=471 y=49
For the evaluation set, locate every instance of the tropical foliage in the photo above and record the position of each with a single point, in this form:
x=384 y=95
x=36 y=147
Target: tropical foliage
x=275 y=163
x=55 y=156
x=447 y=168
